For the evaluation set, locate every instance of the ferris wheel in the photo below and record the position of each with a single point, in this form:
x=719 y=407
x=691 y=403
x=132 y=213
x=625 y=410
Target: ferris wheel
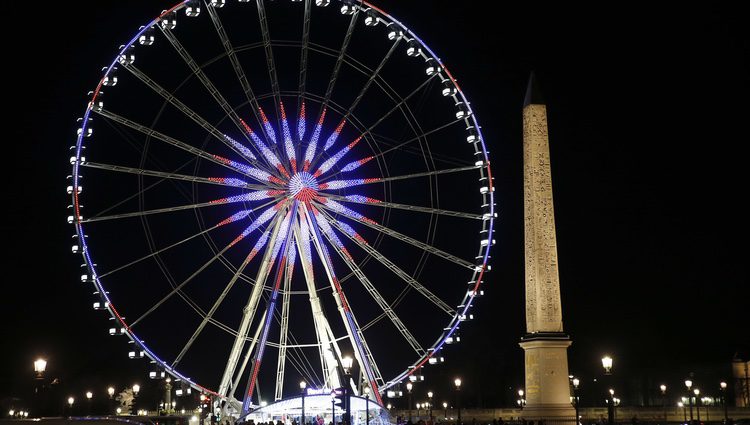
x=273 y=186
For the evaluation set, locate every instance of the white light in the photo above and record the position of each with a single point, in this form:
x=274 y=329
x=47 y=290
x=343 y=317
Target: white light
x=347 y=9
x=409 y=386
x=688 y=383
x=457 y=382
x=429 y=394
x=193 y=418
x=607 y=363
x=146 y=39
x=40 y=365
x=89 y=395
x=218 y=3
x=302 y=385
x=263 y=403
x=136 y=389
x=696 y=391
x=109 y=80
x=663 y=388
x=576 y=382
x=723 y=385
x=371 y=20
x=322 y=3
x=520 y=393
x=71 y=400
x=111 y=391
x=118 y=410
x=347 y=362
x=193 y=11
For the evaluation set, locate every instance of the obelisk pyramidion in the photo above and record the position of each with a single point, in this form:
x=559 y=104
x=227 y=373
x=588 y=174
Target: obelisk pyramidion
x=545 y=345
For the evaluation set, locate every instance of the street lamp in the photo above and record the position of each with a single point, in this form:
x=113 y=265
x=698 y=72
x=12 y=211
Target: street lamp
x=302 y=386
x=457 y=383
x=688 y=384
x=697 y=392
x=663 y=389
x=611 y=407
x=684 y=412
x=429 y=397
x=576 y=383
x=521 y=401
x=607 y=365
x=445 y=410
x=409 y=386
x=40 y=365
x=136 y=390
x=723 y=386
x=71 y=400
x=89 y=396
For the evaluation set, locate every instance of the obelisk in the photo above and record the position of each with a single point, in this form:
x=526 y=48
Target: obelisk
x=545 y=345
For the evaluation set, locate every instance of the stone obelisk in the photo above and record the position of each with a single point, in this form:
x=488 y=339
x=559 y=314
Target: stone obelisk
x=545 y=345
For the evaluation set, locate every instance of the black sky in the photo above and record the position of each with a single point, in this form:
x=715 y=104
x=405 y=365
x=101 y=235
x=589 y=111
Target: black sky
x=648 y=112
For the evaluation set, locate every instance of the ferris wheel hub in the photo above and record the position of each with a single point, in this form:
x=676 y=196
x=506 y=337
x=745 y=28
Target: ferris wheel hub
x=303 y=186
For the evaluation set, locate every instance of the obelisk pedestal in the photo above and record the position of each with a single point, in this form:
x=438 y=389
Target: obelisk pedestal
x=545 y=345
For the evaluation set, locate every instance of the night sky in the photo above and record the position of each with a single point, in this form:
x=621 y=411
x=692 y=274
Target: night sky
x=648 y=112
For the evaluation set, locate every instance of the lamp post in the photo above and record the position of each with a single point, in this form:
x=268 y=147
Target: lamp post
x=89 y=396
x=445 y=410
x=302 y=387
x=409 y=386
x=347 y=363
x=723 y=386
x=457 y=383
x=611 y=407
x=688 y=384
x=367 y=405
x=71 y=400
x=429 y=398
x=136 y=390
x=697 y=392
x=419 y=406
x=663 y=389
x=521 y=400
x=576 y=383
x=40 y=365
x=684 y=412
x=111 y=393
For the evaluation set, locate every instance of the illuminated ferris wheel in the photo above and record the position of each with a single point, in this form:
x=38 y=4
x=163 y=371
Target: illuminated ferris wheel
x=272 y=187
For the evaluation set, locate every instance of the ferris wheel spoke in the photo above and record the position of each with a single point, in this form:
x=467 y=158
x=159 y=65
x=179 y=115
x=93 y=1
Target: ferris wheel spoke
x=413 y=283
x=376 y=296
x=357 y=199
x=418 y=137
x=207 y=83
x=238 y=70
x=219 y=181
x=213 y=309
x=268 y=49
x=333 y=206
x=301 y=87
x=230 y=219
x=339 y=62
x=169 y=97
x=327 y=184
x=255 y=173
x=178 y=288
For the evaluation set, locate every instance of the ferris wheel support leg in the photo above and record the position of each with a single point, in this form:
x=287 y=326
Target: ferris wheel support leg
x=361 y=351
x=258 y=358
x=327 y=357
x=248 y=312
x=284 y=329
